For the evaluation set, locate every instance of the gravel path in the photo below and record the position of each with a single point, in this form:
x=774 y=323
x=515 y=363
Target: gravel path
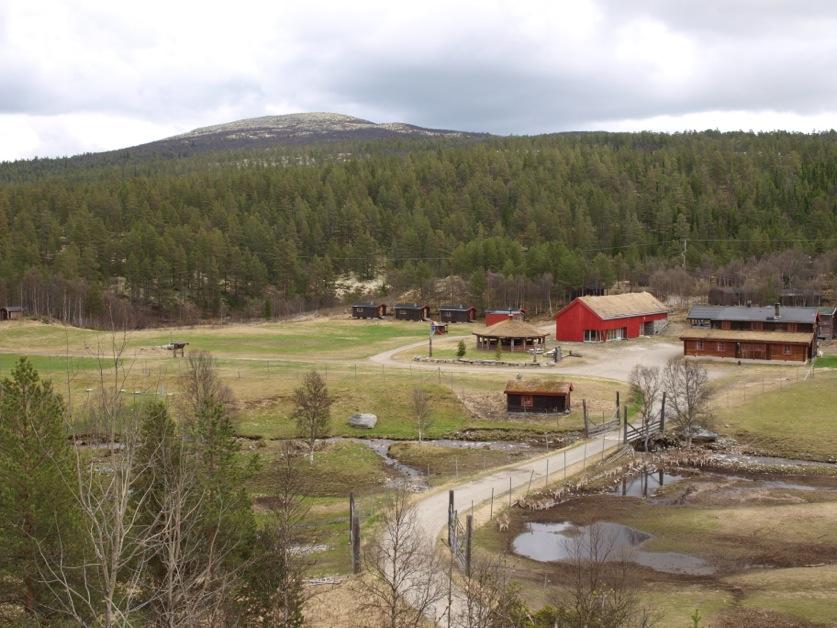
x=432 y=509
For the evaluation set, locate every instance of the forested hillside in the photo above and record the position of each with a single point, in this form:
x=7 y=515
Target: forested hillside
x=261 y=232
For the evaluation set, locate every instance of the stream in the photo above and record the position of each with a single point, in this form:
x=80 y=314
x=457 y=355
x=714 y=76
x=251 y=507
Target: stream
x=415 y=478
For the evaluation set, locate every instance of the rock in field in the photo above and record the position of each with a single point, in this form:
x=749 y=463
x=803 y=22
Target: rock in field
x=363 y=419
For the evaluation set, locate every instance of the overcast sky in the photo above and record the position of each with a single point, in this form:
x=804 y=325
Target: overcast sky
x=90 y=75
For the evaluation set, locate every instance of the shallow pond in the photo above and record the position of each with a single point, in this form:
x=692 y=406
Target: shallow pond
x=607 y=541
x=645 y=484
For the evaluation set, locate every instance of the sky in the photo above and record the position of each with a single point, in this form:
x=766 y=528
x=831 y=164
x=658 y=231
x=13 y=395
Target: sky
x=90 y=75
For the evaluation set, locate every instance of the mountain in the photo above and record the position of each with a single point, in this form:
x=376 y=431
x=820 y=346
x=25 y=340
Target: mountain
x=285 y=130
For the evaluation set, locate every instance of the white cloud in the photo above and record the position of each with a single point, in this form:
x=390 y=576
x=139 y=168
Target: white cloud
x=86 y=75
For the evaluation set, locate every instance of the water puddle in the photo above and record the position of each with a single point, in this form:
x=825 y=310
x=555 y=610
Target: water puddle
x=606 y=541
x=646 y=484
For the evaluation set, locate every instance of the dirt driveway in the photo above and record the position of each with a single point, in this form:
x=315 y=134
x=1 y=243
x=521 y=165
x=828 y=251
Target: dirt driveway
x=613 y=360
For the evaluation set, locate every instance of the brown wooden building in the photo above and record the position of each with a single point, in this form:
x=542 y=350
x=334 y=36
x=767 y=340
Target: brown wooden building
x=457 y=313
x=538 y=396
x=826 y=330
x=412 y=312
x=369 y=310
x=510 y=335
x=748 y=344
x=11 y=313
x=754 y=318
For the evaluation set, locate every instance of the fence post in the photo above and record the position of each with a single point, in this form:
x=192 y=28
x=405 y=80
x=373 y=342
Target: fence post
x=355 y=545
x=546 y=481
x=491 y=508
x=531 y=475
x=586 y=424
x=617 y=404
x=351 y=516
x=625 y=423
x=469 y=526
x=663 y=414
x=450 y=518
x=603 y=445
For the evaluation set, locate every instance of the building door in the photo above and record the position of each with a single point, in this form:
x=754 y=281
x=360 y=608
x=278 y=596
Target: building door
x=648 y=328
x=527 y=402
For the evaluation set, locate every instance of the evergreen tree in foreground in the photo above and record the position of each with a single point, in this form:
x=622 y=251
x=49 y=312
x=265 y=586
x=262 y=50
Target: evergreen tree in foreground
x=38 y=518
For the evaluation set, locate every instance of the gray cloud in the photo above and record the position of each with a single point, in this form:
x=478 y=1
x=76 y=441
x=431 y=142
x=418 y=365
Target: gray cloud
x=97 y=74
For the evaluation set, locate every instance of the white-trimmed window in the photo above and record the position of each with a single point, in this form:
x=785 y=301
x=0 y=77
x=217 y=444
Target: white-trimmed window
x=786 y=350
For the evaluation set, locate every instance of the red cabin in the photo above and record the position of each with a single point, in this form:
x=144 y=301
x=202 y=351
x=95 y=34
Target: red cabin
x=610 y=317
x=492 y=317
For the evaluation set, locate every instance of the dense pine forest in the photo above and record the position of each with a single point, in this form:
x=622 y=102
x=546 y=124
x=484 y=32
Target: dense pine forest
x=271 y=231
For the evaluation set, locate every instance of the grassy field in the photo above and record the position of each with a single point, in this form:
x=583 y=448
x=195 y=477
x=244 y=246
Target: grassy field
x=797 y=420
x=827 y=362
x=343 y=339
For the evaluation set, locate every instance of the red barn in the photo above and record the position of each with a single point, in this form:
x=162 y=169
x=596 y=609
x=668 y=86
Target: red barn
x=610 y=317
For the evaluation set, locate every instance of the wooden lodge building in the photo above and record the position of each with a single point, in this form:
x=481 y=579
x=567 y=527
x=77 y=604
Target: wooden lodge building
x=752 y=333
x=754 y=318
x=510 y=335
x=538 y=396
x=11 y=313
x=492 y=317
x=610 y=317
x=412 y=312
x=748 y=344
x=369 y=310
x=457 y=313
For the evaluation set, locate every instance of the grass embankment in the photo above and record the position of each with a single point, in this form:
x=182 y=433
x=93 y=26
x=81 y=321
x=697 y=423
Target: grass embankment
x=338 y=469
x=444 y=463
x=798 y=420
x=826 y=362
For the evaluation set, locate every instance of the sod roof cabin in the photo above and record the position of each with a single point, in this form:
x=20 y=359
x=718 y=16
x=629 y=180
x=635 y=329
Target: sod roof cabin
x=369 y=310
x=457 y=313
x=11 y=313
x=748 y=344
x=510 y=335
x=538 y=395
x=610 y=317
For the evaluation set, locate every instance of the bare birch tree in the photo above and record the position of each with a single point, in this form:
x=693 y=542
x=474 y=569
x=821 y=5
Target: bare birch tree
x=312 y=410
x=421 y=412
x=489 y=598
x=646 y=387
x=277 y=575
x=600 y=591
x=406 y=579
x=106 y=585
x=688 y=393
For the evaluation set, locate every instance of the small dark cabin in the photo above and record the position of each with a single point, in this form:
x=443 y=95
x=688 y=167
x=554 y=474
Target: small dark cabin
x=369 y=310
x=457 y=313
x=826 y=328
x=11 y=313
x=412 y=312
x=540 y=396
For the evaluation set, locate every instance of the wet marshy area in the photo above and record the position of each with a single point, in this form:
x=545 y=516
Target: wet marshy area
x=691 y=523
x=564 y=541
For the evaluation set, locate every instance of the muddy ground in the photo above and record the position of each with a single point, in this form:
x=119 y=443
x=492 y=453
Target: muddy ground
x=771 y=539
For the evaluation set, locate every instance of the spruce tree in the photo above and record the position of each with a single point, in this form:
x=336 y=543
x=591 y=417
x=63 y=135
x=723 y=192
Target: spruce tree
x=38 y=519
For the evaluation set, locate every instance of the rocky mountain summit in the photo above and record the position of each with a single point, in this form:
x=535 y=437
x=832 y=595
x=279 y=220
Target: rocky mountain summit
x=291 y=129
